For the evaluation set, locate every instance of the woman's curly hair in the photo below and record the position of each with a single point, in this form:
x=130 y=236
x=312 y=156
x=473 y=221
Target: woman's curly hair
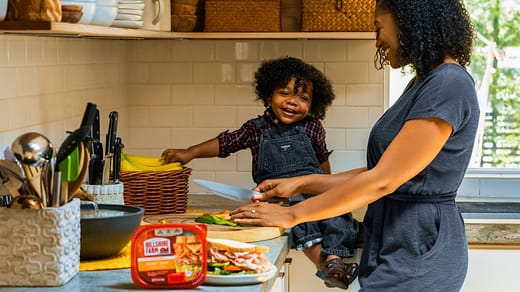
x=276 y=73
x=430 y=30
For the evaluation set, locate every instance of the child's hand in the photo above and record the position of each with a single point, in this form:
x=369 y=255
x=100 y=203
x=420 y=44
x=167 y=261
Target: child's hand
x=176 y=155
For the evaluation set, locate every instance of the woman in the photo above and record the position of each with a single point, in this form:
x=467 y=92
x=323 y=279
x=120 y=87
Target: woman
x=417 y=155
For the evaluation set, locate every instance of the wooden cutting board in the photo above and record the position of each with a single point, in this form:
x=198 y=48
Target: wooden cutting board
x=239 y=233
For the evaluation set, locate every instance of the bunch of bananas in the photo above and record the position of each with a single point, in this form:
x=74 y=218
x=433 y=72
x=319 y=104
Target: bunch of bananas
x=144 y=163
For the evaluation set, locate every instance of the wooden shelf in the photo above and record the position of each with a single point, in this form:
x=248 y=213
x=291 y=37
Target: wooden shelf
x=62 y=29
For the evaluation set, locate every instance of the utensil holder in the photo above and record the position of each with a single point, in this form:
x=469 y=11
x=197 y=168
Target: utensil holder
x=106 y=194
x=39 y=247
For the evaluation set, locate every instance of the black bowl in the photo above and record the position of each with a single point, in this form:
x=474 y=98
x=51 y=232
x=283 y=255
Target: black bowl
x=107 y=235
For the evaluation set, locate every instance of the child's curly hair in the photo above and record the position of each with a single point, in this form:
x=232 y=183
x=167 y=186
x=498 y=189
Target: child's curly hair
x=430 y=30
x=276 y=73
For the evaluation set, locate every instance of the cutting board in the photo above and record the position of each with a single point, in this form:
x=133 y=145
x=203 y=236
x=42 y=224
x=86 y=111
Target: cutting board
x=239 y=233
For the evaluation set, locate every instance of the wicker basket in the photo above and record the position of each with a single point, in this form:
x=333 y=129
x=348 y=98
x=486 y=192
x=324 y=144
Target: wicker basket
x=338 y=15
x=158 y=192
x=242 y=16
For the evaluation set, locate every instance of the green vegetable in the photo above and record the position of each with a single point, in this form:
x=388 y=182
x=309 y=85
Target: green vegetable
x=214 y=219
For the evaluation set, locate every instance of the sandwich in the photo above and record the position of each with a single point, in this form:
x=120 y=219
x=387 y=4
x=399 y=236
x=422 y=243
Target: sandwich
x=230 y=257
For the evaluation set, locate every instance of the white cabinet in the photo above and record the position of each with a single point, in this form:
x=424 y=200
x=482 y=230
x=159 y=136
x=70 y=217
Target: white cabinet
x=281 y=283
x=493 y=270
x=302 y=276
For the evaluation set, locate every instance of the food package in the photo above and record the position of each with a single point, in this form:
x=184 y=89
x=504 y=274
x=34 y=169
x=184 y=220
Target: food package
x=169 y=256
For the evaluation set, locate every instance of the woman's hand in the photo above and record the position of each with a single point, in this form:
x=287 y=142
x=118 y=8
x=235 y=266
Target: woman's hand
x=176 y=155
x=264 y=214
x=283 y=187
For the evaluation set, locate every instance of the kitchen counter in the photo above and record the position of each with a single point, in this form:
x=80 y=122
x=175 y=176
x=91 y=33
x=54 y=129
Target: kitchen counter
x=121 y=280
x=481 y=233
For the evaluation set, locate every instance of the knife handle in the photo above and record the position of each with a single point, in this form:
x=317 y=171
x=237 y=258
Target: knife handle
x=116 y=161
x=112 y=132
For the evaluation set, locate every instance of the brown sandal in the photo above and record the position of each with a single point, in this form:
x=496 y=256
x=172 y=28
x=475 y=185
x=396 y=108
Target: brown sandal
x=339 y=274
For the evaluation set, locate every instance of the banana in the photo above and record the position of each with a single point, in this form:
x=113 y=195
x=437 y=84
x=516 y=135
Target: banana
x=143 y=160
x=143 y=163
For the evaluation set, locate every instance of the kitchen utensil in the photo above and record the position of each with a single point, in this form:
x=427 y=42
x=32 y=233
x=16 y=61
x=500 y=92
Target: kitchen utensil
x=73 y=186
x=60 y=188
x=157 y=15
x=235 y=192
x=113 y=118
x=8 y=183
x=116 y=162
x=27 y=202
x=247 y=233
x=34 y=151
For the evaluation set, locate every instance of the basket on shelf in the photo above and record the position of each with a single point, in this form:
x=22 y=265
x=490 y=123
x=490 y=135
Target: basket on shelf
x=242 y=16
x=158 y=192
x=338 y=15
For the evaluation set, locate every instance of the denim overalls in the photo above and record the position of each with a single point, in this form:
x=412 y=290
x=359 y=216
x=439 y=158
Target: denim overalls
x=288 y=152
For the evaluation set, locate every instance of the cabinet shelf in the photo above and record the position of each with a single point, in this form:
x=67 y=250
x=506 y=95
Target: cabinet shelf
x=62 y=29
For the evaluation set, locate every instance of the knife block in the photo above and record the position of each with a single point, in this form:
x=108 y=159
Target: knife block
x=106 y=194
x=39 y=247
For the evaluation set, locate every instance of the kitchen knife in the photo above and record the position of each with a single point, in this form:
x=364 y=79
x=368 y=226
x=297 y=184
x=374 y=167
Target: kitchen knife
x=116 y=161
x=112 y=133
x=235 y=193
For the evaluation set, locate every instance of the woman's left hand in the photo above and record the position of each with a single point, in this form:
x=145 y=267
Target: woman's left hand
x=263 y=214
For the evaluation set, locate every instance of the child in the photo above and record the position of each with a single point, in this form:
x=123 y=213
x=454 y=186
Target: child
x=289 y=140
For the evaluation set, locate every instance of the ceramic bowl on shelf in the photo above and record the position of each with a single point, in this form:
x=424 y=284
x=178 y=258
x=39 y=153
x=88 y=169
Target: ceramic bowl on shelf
x=89 y=8
x=3 y=9
x=104 y=15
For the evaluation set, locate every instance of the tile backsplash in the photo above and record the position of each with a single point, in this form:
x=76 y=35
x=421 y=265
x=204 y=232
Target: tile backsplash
x=174 y=93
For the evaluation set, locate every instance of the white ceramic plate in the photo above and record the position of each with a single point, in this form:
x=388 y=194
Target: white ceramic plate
x=230 y=280
x=127 y=23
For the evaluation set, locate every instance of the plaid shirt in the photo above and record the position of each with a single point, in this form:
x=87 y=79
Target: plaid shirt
x=248 y=136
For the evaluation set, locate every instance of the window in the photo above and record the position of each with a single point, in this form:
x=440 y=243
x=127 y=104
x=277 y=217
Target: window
x=495 y=166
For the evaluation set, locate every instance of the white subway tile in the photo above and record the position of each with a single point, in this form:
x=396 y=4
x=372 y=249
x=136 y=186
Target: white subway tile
x=238 y=50
x=149 y=51
x=193 y=94
x=215 y=164
x=364 y=95
x=171 y=73
x=34 y=51
x=213 y=72
x=149 y=137
x=349 y=73
x=149 y=95
x=335 y=139
x=16 y=49
x=234 y=94
x=4 y=118
x=140 y=116
x=193 y=50
x=246 y=72
x=347 y=117
x=171 y=116
x=50 y=51
x=138 y=73
x=325 y=50
x=245 y=113
x=28 y=81
x=214 y=116
x=4 y=53
x=280 y=48
x=186 y=137
x=340 y=92
x=361 y=50
x=357 y=139
x=345 y=160
x=244 y=161
x=8 y=82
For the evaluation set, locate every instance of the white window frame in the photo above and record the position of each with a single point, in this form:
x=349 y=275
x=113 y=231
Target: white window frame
x=479 y=184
